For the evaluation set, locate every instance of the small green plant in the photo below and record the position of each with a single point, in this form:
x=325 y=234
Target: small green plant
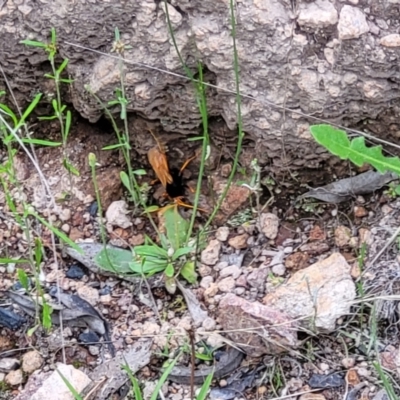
x=393 y=190
x=338 y=143
x=170 y=257
x=60 y=111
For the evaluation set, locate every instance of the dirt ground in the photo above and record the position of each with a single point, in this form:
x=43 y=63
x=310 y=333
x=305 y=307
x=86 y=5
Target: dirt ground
x=309 y=230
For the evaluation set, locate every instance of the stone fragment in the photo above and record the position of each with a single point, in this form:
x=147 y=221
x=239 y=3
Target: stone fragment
x=55 y=385
x=269 y=225
x=352 y=23
x=222 y=233
x=7 y=364
x=392 y=40
x=14 y=378
x=258 y=277
x=226 y=285
x=297 y=260
x=318 y=14
x=342 y=236
x=210 y=254
x=276 y=333
x=91 y=295
x=116 y=214
x=239 y=242
x=318 y=295
x=31 y=361
x=230 y=270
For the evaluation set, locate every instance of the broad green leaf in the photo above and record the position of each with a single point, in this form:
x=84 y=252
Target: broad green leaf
x=152 y=250
x=23 y=278
x=147 y=267
x=176 y=227
x=169 y=271
x=182 y=252
x=125 y=180
x=139 y=172
x=188 y=272
x=337 y=142
x=116 y=260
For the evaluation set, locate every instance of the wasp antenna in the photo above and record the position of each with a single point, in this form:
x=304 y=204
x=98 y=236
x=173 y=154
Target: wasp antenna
x=161 y=148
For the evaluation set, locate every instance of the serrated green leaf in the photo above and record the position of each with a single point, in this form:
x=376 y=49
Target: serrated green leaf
x=188 y=272
x=337 y=142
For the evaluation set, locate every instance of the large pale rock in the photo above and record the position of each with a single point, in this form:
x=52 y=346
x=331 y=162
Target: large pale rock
x=281 y=45
x=256 y=328
x=318 y=295
x=55 y=385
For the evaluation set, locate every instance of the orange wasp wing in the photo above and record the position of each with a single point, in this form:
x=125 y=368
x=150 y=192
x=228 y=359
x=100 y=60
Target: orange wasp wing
x=159 y=163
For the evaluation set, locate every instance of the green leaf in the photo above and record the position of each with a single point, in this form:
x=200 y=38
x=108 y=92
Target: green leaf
x=23 y=278
x=139 y=172
x=73 y=391
x=50 y=76
x=46 y=316
x=41 y=142
x=125 y=180
x=70 y=168
x=337 y=142
x=53 y=35
x=13 y=260
x=38 y=252
x=151 y=209
x=47 y=118
x=136 y=388
x=152 y=250
x=205 y=387
x=115 y=260
x=113 y=146
x=176 y=227
x=10 y=113
x=29 y=109
x=169 y=271
x=68 y=124
x=62 y=66
x=188 y=272
x=182 y=252
x=33 y=43
x=148 y=267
